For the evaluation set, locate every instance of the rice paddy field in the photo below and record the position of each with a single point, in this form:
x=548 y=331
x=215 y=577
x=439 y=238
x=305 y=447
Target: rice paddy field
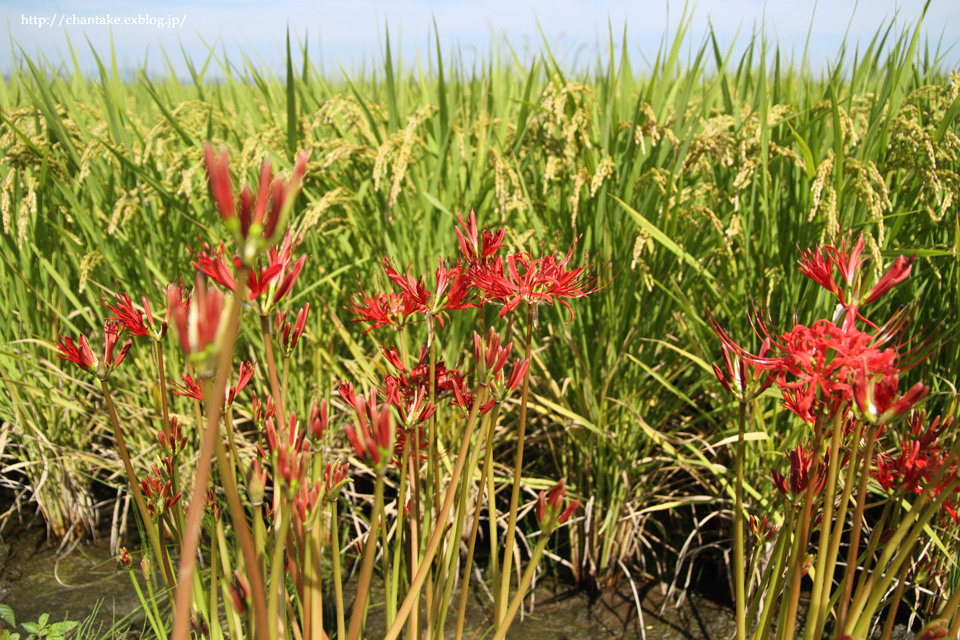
x=688 y=186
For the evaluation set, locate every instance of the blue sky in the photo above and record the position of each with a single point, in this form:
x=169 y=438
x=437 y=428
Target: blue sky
x=349 y=32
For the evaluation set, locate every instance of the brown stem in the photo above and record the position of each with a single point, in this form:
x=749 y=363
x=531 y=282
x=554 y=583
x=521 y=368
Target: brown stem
x=510 y=538
x=854 y=550
x=148 y=523
x=191 y=536
x=366 y=569
x=796 y=574
x=439 y=527
x=272 y=369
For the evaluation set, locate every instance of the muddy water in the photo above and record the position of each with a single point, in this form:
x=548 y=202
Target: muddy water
x=35 y=580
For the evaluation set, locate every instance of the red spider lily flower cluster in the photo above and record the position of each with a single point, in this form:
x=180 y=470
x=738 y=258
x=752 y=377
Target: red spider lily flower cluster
x=290 y=332
x=172 y=442
x=287 y=457
x=801 y=464
x=373 y=437
x=918 y=460
x=743 y=380
x=878 y=402
x=267 y=284
x=253 y=217
x=81 y=355
x=334 y=477
x=491 y=359
x=411 y=382
x=244 y=374
x=139 y=322
x=305 y=503
x=549 y=278
x=200 y=327
x=762 y=529
x=550 y=510
x=824 y=367
x=318 y=419
x=158 y=493
x=190 y=388
x=818 y=265
x=112 y=332
x=479 y=275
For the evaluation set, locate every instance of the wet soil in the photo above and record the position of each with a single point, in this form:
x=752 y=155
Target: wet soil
x=35 y=579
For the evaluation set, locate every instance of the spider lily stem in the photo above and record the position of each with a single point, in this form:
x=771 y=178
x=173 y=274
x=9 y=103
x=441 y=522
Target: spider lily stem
x=158 y=550
x=510 y=538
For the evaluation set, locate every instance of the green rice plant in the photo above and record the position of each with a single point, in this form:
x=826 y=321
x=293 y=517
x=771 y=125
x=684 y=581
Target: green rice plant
x=695 y=177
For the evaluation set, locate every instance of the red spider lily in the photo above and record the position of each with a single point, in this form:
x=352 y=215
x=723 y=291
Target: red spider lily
x=217 y=267
x=454 y=289
x=763 y=529
x=535 y=280
x=79 y=354
x=158 y=493
x=920 y=456
x=896 y=274
x=124 y=313
x=258 y=481
x=405 y=436
x=744 y=380
x=550 y=511
x=819 y=268
x=111 y=335
x=262 y=411
x=412 y=289
x=290 y=332
x=817 y=366
x=268 y=284
x=239 y=592
x=878 y=401
x=198 y=330
x=211 y=503
x=489 y=356
x=464 y=399
x=287 y=457
x=305 y=504
x=347 y=393
x=243 y=377
x=801 y=462
x=173 y=442
x=179 y=293
x=409 y=383
x=415 y=410
x=380 y=309
x=334 y=477
x=318 y=419
x=189 y=388
x=473 y=253
x=848 y=263
x=372 y=439
x=259 y=215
